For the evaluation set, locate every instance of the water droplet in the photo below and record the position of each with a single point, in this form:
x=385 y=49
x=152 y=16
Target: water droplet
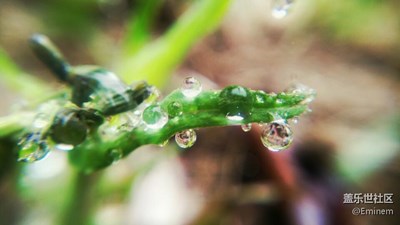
x=154 y=117
x=64 y=147
x=32 y=148
x=260 y=97
x=186 y=138
x=115 y=155
x=175 y=109
x=246 y=127
x=280 y=8
x=277 y=136
x=236 y=101
x=191 y=87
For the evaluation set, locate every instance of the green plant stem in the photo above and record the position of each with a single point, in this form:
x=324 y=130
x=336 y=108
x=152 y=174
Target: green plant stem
x=80 y=205
x=157 y=60
x=24 y=84
x=205 y=110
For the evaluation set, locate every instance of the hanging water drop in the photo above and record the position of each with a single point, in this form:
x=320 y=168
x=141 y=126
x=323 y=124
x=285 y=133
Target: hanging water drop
x=154 y=117
x=246 y=127
x=280 y=8
x=115 y=155
x=277 y=136
x=175 y=109
x=186 y=138
x=32 y=148
x=191 y=87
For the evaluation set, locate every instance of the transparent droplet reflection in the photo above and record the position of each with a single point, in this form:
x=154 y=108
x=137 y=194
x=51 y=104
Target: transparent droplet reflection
x=277 y=136
x=186 y=138
x=154 y=117
x=32 y=148
x=191 y=87
x=175 y=109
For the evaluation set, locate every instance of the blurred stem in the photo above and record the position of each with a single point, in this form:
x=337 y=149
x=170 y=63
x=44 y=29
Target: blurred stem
x=80 y=206
x=139 y=26
x=14 y=123
x=157 y=60
x=28 y=86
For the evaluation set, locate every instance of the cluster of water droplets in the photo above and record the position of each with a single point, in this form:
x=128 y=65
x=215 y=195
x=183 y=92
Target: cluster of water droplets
x=129 y=120
x=35 y=145
x=277 y=135
x=152 y=116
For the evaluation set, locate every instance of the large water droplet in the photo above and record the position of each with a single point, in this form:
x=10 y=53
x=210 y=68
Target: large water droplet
x=154 y=117
x=32 y=148
x=115 y=155
x=277 y=136
x=236 y=102
x=280 y=8
x=186 y=138
x=246 y=127
x=175 y=109
x=191 y=87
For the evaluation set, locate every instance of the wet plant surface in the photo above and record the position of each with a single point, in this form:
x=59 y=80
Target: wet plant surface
x=213 y=175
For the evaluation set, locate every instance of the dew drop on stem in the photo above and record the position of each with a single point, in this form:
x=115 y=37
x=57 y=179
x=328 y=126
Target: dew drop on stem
x=186 y=138
x=32 y=147
x=277 y=136
x=154 y=117
x=235 y=102
x=175 y=109
x=191 y=87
